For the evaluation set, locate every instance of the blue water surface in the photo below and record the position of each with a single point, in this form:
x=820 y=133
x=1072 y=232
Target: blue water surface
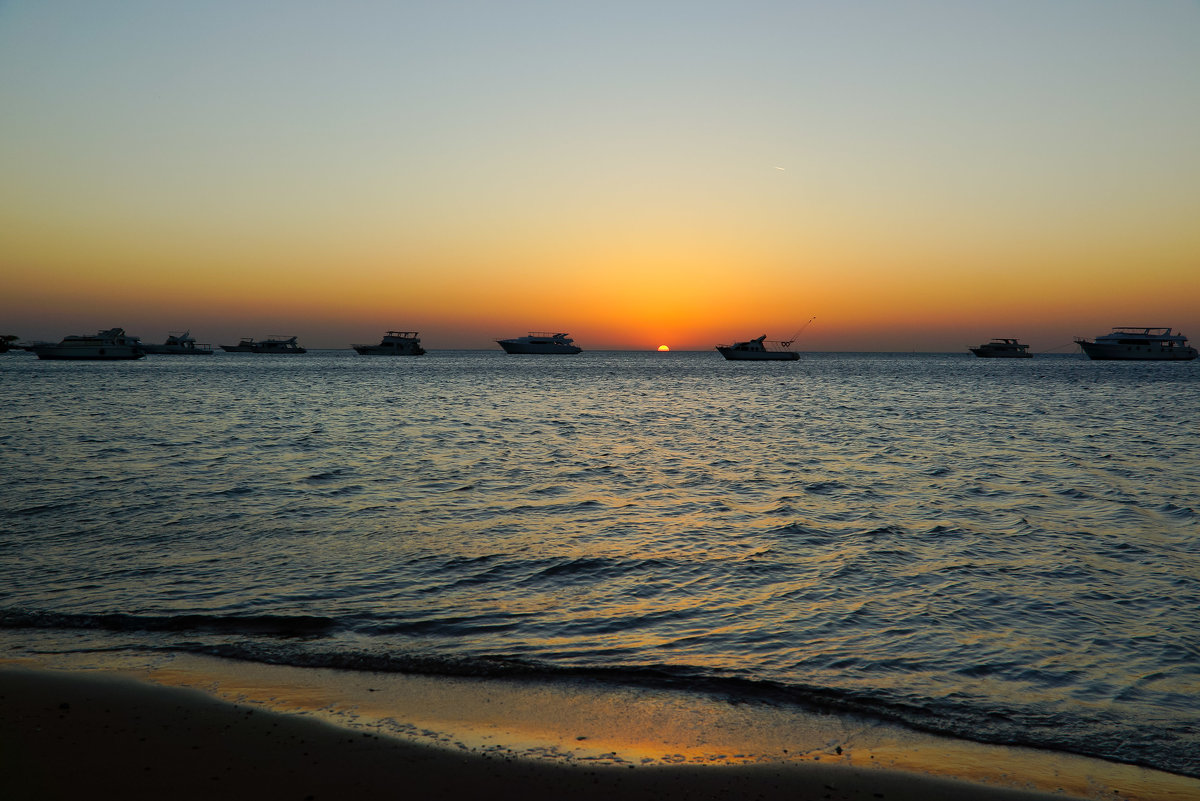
x=1002 y=550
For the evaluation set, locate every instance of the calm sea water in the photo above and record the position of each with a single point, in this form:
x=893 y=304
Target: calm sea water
x=1002 y=550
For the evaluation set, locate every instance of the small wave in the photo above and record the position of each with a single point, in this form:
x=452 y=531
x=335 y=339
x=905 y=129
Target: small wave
x=350 y=489
x=806 y=534
x=232 y=492
x=1181 y=512
x=947 y=716
x=992 y=724
x=449 y=626
x=42 y=509
x=824 y=487
x=885 y=531
x=258 y=625
x=792 y=528
x=575 y=567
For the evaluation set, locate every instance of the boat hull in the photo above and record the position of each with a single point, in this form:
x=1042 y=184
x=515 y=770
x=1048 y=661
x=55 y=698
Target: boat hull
x=1137 y=353
x=389 y=350
x=107 y=353
x=171 y=350
x=543 y=348
x=257 y=349
x=986 y=354
x=735 y=355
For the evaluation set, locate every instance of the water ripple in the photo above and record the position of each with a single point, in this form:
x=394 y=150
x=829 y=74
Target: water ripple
x=1007 y=552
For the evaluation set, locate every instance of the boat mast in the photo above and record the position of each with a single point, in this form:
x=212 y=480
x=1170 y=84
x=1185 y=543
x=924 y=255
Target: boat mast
x=787 y=343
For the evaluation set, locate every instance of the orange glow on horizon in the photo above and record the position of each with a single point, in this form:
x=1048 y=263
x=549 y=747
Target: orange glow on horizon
x=591 y=206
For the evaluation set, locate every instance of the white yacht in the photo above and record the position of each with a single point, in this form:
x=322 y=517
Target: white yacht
x=179 y=344
x=104 y=345
x=540 y=342
x=759 y=350
x=1136 y=343
x=272 y=344
x=1002 y=348
x=395 y=343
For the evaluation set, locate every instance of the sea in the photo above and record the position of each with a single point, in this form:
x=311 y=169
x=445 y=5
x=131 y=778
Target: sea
x=1005 y=551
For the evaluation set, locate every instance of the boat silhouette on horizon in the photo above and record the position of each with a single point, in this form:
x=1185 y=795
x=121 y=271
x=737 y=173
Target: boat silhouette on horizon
x=272 y=344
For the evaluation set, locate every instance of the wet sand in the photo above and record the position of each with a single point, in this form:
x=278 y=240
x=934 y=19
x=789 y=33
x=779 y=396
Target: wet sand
x=88 y=735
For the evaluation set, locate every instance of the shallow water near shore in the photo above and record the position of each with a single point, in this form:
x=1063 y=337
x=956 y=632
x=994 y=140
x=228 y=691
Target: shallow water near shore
x=1005 y=551
x=601 y=728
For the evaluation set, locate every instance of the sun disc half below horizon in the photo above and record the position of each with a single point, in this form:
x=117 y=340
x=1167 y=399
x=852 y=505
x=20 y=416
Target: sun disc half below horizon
x=663 y=348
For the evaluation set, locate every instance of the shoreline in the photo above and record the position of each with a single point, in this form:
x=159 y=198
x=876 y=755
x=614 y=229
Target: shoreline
x=199 y=727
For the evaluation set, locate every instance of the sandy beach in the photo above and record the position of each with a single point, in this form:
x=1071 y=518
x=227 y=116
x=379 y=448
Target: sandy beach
x=71 y=735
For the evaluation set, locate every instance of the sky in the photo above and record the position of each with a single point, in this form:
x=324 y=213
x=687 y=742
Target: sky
x=920 y=175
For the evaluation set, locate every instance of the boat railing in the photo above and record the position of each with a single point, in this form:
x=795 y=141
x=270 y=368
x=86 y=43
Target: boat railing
x=772 y=345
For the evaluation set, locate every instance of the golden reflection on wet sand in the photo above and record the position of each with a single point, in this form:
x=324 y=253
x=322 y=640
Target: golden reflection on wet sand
x=587 y=723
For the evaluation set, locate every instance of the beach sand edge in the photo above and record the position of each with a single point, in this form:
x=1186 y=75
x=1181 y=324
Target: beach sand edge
x=82 y=735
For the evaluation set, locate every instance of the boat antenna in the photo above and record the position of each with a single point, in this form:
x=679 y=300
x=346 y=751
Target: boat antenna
x=787 y=343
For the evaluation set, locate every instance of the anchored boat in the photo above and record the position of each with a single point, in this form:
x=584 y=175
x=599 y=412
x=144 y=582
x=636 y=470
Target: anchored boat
x=272 y=344
x=109 y=345
x=395 y=343
x=1134 y=343
x=761 y=349
x=1002 y=348
x=540 y=342
x=758 y=350
x=179 y=344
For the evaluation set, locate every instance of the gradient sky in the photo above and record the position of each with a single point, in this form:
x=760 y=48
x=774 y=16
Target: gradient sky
x=916 y=175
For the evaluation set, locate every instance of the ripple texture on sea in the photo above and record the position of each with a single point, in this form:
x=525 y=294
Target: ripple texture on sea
x=1002 y=550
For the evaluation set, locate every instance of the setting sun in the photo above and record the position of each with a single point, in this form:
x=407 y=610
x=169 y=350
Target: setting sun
x=879 y=220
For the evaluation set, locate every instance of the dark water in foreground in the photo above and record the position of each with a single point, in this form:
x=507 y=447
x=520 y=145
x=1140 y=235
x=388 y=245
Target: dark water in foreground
x=1001 y=550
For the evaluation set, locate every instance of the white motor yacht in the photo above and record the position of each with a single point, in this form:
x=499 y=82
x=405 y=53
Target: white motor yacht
x=1135 y=343
x=109 y=345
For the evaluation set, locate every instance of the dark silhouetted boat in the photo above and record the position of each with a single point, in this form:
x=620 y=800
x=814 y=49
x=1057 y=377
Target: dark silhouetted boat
x=395 y=343
x=1002 y=348
x=179 y=345
x=539 y=342
x=272 y=344
x=759 y=349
